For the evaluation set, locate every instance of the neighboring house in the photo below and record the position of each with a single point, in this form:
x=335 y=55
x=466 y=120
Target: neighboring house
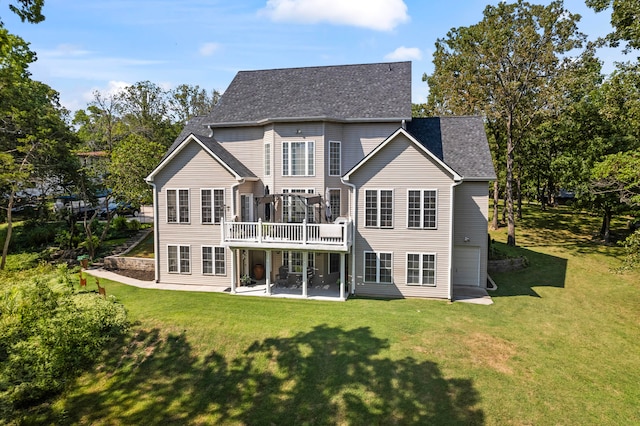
x=320 y=176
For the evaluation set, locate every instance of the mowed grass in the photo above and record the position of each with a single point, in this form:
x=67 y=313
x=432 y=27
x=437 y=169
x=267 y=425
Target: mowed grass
x=560 y=345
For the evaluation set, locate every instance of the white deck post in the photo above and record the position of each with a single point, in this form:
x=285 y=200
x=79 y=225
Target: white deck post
x=305 y=265
x=267 y=277
x=342 y=275
x=233 y=271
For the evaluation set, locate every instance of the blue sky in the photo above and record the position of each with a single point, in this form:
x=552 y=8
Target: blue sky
x=103 y=45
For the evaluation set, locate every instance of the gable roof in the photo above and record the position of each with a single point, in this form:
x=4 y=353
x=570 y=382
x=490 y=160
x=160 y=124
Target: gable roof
x=379 y=91
x=213 y=148
x=413 y=140
x=458 y=144
x=458 y=141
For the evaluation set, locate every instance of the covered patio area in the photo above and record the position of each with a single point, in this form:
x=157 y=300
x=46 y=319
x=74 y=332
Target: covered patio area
x=327 y=292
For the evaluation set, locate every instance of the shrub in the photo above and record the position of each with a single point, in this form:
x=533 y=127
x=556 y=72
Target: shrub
x=48 y=335
x=119 y=224
x=133 y=225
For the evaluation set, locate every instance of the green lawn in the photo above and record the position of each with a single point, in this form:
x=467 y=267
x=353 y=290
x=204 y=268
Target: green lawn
x=560 y=345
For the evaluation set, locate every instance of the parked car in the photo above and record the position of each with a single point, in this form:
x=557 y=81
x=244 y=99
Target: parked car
x=119 y=209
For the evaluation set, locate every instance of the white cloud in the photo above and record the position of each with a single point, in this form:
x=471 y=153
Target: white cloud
x=381 y=15
x=404 y=54
x=208 y=49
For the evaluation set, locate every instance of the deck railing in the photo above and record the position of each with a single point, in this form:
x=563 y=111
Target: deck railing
x=303 y=234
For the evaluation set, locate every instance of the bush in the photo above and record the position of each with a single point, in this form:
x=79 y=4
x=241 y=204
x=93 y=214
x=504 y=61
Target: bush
x=48 y=335
x=119 y=224
x=133 y=225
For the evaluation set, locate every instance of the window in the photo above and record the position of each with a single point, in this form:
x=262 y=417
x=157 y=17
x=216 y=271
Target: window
x=178 y=205
x=378 y=208
x=294 y=207
x=298 y=158
x=267 y=159
x=334 y=202
x=334 y=263
x=212 y=205
x=422 y=209
x=293 y=259
x=334 y=158
x=377 y=267
x=213 y=260
x=179 y=259
x=421 y=269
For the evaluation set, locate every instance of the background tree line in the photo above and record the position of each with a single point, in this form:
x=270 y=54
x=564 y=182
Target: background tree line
x=553 y=119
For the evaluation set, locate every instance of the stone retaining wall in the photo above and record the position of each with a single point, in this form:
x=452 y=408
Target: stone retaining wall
x=506 y=265
x=133 y=263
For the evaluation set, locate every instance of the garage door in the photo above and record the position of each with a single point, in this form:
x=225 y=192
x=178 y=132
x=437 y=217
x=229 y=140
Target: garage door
x=466 y=265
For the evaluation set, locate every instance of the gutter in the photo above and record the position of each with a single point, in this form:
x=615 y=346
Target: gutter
x=451 y=213
x=353 y=232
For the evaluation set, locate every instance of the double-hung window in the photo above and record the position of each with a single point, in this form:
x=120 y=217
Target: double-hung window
x=178 y=205
x=298 y=158
x=422 y=209
x=293 y=260
x=378 y=267
x=179 y=259
x=213 y=260
x=421 y=269
x=334 y=158
x=378 y=208
x=212 y=201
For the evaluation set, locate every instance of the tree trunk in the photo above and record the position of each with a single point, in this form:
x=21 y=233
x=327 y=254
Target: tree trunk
x=511 y=222
x=605 y=230
x=519 y=189
x=7 y=239
x=496 y=200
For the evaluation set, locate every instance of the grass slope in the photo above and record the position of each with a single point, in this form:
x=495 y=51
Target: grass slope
x=560 y=345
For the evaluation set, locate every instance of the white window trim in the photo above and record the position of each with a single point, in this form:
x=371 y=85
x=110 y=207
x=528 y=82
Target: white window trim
x=306 y=158
x=289 y=191
x=339 y=159
x=310 y=256
x=177 y=205
x=213 y=206
x=340 y=197
x=364 y=210
x=267 y=160
x=422 y=208
x=364 y=266
x=435 y=269
x=179 y=271
x=213 y=261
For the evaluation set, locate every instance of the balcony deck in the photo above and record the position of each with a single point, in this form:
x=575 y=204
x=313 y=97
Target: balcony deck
x=287 y=236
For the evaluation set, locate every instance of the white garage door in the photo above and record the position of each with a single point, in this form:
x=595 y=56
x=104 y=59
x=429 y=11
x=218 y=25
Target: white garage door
x=466 y=265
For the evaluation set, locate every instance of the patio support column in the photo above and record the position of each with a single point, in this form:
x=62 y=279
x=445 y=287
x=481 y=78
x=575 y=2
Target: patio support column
x=234 y=260
x=342 y=275
x=267 y=277
x=305 y=265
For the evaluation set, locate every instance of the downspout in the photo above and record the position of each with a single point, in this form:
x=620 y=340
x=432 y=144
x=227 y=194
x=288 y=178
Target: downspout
x=156 y=232
x=451 y=213
x=353 y=208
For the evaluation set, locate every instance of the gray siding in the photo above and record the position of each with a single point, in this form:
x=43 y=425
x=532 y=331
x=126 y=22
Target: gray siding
x=191 y=169
x=470 y=220
x=401 y=166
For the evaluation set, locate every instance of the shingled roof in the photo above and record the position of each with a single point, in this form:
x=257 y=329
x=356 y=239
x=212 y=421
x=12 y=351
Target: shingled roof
x=343 y=93
x=460 y=142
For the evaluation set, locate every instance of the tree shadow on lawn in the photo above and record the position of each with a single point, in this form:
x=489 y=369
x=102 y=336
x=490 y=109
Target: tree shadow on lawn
x=324 y=376
x=543 y=271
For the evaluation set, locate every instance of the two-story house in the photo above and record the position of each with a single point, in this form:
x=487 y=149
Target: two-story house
x=319 y=178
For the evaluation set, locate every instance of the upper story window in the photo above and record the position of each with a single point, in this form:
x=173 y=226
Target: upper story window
x=378 y=208
x=178 y=205
x=298 y=158
x=267 y=159
x=334 y=158
x=422 y=209
x=212 y=201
